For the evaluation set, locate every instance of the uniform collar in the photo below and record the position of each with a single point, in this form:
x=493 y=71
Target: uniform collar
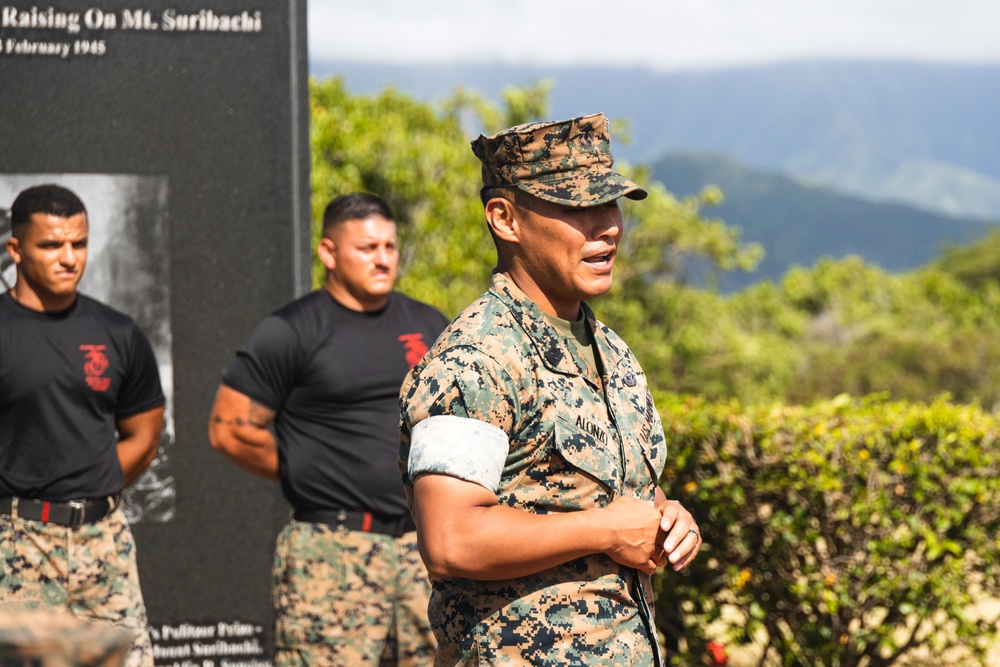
x=550 y=344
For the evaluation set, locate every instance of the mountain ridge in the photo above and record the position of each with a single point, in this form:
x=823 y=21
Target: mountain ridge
x=797 y=223
x=918 y=132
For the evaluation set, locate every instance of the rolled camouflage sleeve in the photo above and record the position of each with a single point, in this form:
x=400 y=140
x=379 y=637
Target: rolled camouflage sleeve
x=458 y=411
x=459 y=447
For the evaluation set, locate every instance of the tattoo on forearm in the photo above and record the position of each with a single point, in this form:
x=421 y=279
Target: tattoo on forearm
x=257 y=416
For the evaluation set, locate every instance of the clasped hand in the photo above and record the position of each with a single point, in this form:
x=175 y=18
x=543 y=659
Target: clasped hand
x=648 y=536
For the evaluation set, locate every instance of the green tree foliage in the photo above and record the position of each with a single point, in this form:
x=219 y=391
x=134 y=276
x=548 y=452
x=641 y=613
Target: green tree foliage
x=913 y=335
x=684 y=337
x=976 y=263
x=418 y=160
x=841 y=326
x=849 y=532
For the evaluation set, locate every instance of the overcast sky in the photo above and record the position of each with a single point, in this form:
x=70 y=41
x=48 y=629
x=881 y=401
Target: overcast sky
x=660 y=34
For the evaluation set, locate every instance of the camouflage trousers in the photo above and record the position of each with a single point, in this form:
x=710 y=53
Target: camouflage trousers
x=89 y=571
x=349 y=598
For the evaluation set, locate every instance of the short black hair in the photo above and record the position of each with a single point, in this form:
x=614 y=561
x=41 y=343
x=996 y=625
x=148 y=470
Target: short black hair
x=48 y=198
x=354 y=206
x=507 y=192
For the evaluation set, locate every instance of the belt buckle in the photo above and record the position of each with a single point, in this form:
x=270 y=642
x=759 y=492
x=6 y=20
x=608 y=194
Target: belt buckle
x=78 y=512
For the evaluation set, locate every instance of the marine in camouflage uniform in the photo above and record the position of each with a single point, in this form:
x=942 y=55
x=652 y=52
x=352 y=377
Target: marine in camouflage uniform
x=81 y=412
x=325 y=370
x=529 y=437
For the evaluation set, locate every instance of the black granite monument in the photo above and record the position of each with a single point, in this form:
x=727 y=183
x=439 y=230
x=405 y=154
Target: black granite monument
x=183 y=126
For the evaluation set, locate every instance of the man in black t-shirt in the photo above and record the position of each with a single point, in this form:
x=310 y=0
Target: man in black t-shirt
x=81 y=411
x=324 y=371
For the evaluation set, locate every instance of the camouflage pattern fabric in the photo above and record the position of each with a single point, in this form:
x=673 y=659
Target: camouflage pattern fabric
x=344 y=597
x=574 y=445
x=49 y=637
x=567 y=162
x=88 y=570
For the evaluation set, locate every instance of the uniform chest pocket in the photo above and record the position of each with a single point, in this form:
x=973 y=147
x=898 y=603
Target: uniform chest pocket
x=587 y=445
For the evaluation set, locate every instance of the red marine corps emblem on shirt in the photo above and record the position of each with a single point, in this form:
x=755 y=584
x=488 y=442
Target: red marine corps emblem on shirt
x=95 y=366
x=415 y=347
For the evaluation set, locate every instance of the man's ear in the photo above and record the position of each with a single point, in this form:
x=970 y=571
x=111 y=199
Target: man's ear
x=327 y=253
x=502 y=217
x=14 y=249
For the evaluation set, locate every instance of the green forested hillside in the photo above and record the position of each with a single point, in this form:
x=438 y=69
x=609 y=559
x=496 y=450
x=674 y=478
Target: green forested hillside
x=798 y=223
x=834 y=326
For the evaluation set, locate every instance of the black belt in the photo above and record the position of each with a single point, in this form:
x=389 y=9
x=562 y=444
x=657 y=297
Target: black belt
x=355 y=520
x=69 y=513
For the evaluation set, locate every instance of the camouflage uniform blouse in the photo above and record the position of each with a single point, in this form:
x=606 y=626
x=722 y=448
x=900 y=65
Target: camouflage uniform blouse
x=572 y=446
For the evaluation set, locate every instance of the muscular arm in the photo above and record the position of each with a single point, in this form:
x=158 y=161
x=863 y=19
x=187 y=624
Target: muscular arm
x=237 y=427
x=465 y=532
x=138 y=441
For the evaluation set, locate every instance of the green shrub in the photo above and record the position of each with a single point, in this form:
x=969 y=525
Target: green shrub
x=849 y=532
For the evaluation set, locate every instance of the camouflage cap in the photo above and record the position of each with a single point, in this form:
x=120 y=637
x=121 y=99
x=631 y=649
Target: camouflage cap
x=567 y=162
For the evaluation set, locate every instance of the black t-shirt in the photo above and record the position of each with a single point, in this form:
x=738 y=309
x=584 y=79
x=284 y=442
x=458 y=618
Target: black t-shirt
x=332 y=375
x=64 y=380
